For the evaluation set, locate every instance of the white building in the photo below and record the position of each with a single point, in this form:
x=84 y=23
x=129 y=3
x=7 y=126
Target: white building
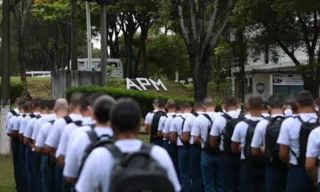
x=265 y=77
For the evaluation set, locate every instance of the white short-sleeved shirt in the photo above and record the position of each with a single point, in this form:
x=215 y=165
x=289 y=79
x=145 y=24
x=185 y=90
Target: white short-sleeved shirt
x=162 y=122
x=29 y=128
x=201 y=125
x=313 y=147
x=219 y=125
x=258 y=139
x=290 y=132
x=44 y=118
x=265 y=115
x=189 y=123
x=77 y=148
x=57 y=128
x=64 y=140
x=17 y=122
x=240 y=133
x=149 y=117
x=24 y=123
x=96 y=172
x=11 y=124
x=288 y=113
x=168 y=123
x=43 y=134
x=177 y=126
x=10 y=115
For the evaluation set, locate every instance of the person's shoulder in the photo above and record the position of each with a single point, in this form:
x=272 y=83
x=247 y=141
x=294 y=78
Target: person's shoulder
x=316 y=132
x=290 y=120
x=241 y=124
x=158 y=152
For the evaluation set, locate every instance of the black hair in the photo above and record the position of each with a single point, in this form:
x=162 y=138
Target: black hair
x=85 y=101
x=265 y=105
x=230 y=101
x=36 y=103
x=255 y=102
x=125 y=115
x=18 y=100
x=186 y=105
x=50 y=104
x=198 y=104
x=171 y=104
x=209 y=102
x=21 y=103
x=317 y=101
x=161 y=103
x=94 y=97
x=43 y=104
x=101 y=108
x=76 y=99
x=178 y=106
x=155 y=102
x=294 y=107
x=27 y=106
x=276 y=101
x=305 y=99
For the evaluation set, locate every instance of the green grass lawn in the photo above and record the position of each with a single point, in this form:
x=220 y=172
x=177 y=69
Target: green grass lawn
x=7 y=182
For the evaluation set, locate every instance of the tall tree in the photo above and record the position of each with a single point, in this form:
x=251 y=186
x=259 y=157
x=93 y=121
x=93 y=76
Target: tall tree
x=291 y=24
x=201 y=24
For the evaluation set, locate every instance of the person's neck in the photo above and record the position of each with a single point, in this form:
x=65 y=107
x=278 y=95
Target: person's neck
x=37 y=111
x=306 y=110
x=86 y=114
x=61 y=114
x=199 y=110
x=103 y=125
x=76 y=112
x=276 y=111
x=210 y=109
x=161 y=109
x=228 y=109
x=171 y=111
x=255 y=113
x=51 y=112
x=125 y=136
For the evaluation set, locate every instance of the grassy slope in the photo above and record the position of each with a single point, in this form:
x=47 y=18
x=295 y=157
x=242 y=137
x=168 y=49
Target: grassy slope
x=7 y=183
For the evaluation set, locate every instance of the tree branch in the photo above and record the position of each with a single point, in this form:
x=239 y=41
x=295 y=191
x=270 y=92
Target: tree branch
x=24 y=18
x=14 y=3
x=304 y=30
x=316 y=30
x=183 y=27
x=193 y=19
x=211 y=22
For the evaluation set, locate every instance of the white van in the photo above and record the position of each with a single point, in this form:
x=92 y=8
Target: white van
x=116 y=64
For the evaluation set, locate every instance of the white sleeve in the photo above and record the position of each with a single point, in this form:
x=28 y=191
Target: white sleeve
x=217 y=126
x=146 y=120
x=195 y=131
x=10 y=126
x=28 y=131
x=236 y=137
x=36 y=127
x=9 y=116
x=188 y=124
x=173 y=127
x=283 y=138
x=258 y=135
x=41 y=136
x=62 y=148
x=167 y=125
x=161 y=123
x=313 y=147
x=54 y=135
x=165 y=161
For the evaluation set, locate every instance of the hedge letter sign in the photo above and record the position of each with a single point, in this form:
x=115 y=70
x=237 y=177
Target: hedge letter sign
x=143 y=84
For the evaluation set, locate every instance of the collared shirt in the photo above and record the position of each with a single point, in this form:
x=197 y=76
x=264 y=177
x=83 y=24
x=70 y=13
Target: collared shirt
x=258 y=139
x=290 y=133
x=162 y=122
x=57 y=128
x=17 y=122
x=168 y=123
x=201 y=125
x=11 y=124
x=189 y=124
x=77 y=148
x=40 y=122
x=149 y=117
x=24 y=123
x=313 y=147
x=10 y=115
x=96 y=173
x=240 y=133
x=177 y=126
x=219 y=126
x=43 y=134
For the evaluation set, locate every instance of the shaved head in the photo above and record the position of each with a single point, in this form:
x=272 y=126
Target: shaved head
x=61 y=104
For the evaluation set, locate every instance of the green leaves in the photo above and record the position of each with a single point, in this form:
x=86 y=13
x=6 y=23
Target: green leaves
x=52 y=12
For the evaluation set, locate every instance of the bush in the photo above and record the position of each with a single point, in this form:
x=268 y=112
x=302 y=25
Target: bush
x=145 y=99
x=16 y=90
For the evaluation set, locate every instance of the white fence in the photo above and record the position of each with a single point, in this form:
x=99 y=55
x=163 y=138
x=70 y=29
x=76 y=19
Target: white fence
x=39 y=73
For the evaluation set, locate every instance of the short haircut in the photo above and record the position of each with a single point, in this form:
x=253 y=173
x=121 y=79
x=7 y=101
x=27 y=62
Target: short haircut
x=76 y=99
x=21 y=103
x=209 y=102
x=178 y=106
x=276 y=101
x=36 y=103
x=27 y=106
x=171 y=104
x=186 y=105
x=94 y=97
x=43 y=104
x=50 y=104
x=18 y=100
x=305 y=99
x=265 y=105
x=230 y=101
x=125 y=115
x=155 y=102
x=61 y=104
x=293 y=106
x=317 y=101
x=101 y=108
x=161 y=103
x=85 y=101
x=255 y=102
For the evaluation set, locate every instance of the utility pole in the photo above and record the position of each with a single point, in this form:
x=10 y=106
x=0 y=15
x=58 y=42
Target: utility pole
x=104 y=46
x=5 y=80
x=88 y=18
x=74 y=54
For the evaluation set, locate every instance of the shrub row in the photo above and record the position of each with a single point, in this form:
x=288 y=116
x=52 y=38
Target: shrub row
x=16 y=90
x=143 y=98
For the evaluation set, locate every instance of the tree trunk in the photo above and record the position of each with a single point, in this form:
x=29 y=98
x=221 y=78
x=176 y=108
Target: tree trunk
x=21 y=54
x=144 y=54
x=129 y=56
x=311 y=84
x=200 y=76
x=136 y=66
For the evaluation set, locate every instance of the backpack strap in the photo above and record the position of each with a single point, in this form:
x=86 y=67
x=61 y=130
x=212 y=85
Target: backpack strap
x=115 y=151
x=52 y=121
x=24 y=115
x=78 y=123
x=67 y=119
x=32 y=115
x=208 y=117
x=38 y=116
x=146 y=148
x=183 y=121
x=13 y=112
x=92 y=136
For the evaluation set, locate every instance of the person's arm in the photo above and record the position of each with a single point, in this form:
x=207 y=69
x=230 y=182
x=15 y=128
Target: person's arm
x=217 y=125
x=284 y=142
x=161 y=126
x=256 y=143
x=166 y=129
x=187 y=130
x=236 y=138
x=173 y=132
x=147 y=123
x=313 y=151
x=195 y=131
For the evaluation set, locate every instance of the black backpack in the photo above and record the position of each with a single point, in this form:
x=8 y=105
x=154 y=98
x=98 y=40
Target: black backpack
x=305 y=130
x=138 y=172
x=247 y=145
x=228 y=131
x=207 y=147
x=155 y=123
x=182 y=125
x=271 y=150
x=95 y=142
